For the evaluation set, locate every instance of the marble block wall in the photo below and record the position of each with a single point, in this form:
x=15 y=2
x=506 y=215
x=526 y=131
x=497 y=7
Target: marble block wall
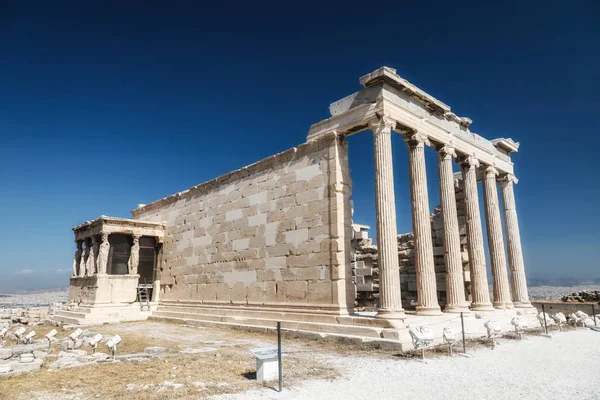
x=275 y=233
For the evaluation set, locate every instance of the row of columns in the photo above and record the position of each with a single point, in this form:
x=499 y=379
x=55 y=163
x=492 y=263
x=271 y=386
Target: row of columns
x=427 y=303
x=93 y=259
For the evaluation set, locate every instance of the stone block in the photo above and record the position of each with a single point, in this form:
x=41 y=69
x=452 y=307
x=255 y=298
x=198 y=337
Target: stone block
x=297 y=236
x=308 y=274
x=359 y=279
x=363 y=271
x=365 y=287
x=320 y=292
x=294 y=292
x=237 y=293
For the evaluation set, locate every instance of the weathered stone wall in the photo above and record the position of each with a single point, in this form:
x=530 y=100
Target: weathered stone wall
x=365 y=268
x=275 y=233
x=103 y=289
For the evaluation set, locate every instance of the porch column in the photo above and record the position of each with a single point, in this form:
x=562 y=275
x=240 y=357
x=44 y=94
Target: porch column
x=84 y=256
x=427 y=302
x=390 y=306
x=455 y=285
x=495 y=240
x=479 y=283
x=91 y=260
x=513 y=238
x=134 y=256
x=103 y=251
x=77 y=257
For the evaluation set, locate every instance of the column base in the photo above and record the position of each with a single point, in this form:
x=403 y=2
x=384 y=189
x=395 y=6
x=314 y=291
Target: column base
x=523 y=305
x=504 y=306
x=482 y=307
x=383 y=313
x=428 y=311
x=457 y=309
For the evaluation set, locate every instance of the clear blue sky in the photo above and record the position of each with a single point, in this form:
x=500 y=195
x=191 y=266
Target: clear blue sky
x=104 y=105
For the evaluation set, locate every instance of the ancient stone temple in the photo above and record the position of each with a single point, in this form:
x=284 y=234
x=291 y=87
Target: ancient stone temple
x=273 y=240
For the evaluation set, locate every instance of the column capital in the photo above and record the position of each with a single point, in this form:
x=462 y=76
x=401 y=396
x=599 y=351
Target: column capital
x=104 y=236
x=136 y=238
x=489 y=169
x=506 y=179
x=415 y=139
x=468 y=162
x=383 y=124
x=446 y=151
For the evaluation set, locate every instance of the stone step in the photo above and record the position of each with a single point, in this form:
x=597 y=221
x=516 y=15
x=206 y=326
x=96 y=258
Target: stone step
x=270 y=323
x=70 y=314
x=275 y=315
x=66 y=320
x=253 y=326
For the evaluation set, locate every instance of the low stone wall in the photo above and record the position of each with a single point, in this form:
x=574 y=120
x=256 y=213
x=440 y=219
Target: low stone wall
x=103 y=289
x=275 y=233
x=553 y=307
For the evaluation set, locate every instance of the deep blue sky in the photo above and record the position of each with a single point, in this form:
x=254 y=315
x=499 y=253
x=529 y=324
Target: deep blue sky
x=104 y=105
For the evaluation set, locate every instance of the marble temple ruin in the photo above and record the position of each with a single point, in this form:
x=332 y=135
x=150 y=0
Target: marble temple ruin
x=275 y=240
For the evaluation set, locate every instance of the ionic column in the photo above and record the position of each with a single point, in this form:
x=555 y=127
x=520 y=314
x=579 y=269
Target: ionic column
x=390 y=306
x=84 y=257
x=495 y=240
x=513 y=240
x=77 y=257
x=103 y=251
x=427 y=302
x=479 y=284
x=134 y=256
x=455 y=286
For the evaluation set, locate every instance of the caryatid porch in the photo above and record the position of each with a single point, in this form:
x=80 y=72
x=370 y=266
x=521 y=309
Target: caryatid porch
x=389 y=103
x=113 y=257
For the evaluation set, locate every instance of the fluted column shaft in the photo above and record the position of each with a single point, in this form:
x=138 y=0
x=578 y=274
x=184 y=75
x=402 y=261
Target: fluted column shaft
x=427 y=302
x=387 y=236
x=520 y=295
x=480 y=293
x=455 y=286
x=495 y=241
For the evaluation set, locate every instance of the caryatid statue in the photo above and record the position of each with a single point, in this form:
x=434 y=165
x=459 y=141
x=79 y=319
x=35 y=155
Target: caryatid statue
x=102 y=261
x=77 y=256
x=134 y=257
x=91 y=260
x=84 y=257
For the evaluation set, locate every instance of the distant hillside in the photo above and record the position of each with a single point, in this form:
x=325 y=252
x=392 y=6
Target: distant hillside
x=562 y=282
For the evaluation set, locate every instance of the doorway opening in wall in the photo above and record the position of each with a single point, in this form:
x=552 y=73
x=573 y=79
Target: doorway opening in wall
x=118 y=257
x=147 y=262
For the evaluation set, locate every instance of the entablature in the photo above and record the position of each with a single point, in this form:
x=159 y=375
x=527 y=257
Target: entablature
x=108 y=225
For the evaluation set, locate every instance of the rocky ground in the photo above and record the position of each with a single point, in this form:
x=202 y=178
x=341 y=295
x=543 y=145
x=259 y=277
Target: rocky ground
x=33 y=299
x=166 y=361
x=556 y=292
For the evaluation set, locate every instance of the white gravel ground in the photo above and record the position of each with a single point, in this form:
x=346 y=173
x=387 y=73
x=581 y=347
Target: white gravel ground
x=567 y=366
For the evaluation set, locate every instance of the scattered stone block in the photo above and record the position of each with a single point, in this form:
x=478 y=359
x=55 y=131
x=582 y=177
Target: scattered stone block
x=5 y=354
x=155 y=350
x=26 y=358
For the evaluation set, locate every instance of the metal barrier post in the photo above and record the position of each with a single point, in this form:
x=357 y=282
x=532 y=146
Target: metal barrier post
x=594 y=314
x=462 y=323
x=279 y=356
x=545 y=322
